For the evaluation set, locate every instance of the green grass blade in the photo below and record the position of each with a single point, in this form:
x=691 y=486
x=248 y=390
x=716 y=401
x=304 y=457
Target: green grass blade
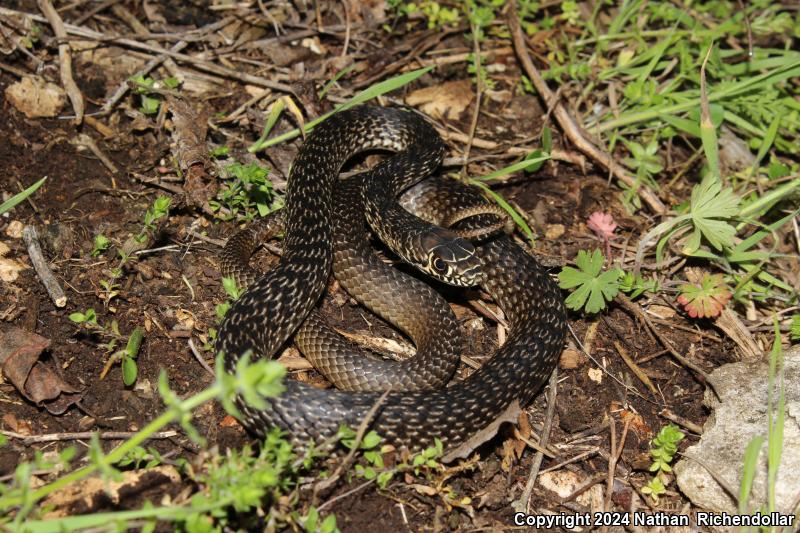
x=515 y=216
x=516 y=167
x=336 y=77
x=758 y=236
x=9 y=204
x=749 y=471
x=775 y=440
x=690 y=98
x=766 y=143
x=764 y=203
x=708 y=133
x=367 y=94
x=275 y=112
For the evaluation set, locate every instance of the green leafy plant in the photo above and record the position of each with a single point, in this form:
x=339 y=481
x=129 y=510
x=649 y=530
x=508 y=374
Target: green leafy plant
x=233 y=291
x=158 y=210
x=705 y=296
x=110 y=332
x=635 y=285
x=100 y=245
x=246 y=192
x=435 y=14
x=252 y=484
x=655 y=488
x=148 y=89
x=647 y=163
x=662 y=449
x=795 y=327
x=594 y=287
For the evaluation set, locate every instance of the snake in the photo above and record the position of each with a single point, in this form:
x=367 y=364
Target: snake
x=405 y=302
x=277 y=303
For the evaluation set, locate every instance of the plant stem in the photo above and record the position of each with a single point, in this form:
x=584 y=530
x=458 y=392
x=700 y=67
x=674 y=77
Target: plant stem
x=120 y=451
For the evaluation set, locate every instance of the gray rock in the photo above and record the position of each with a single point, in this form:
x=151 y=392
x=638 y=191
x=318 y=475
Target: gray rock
x=738 y=416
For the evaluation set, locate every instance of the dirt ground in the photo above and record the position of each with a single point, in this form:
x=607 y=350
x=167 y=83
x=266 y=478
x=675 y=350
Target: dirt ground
x=171 y=290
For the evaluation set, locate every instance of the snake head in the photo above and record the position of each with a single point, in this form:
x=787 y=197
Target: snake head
x=450 y=259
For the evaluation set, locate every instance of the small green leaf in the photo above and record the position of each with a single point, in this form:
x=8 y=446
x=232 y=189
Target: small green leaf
x=705 y=298
x=328 y=525
x=129 y=371
x=370 y=440
x=134 y=341
x=593 y=288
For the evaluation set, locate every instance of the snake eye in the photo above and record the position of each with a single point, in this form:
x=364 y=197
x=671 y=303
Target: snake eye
x=439 y=265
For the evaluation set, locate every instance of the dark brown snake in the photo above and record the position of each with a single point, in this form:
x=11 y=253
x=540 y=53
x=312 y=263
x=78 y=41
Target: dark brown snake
x=275 y=305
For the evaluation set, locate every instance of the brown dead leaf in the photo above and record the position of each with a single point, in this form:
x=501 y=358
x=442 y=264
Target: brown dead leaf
x=14 y=230
x=35 y=97
x=37 y=381
x=571 y=359
x=554 y=231
x=447 y=100
x=22 y=427
x=661 y=311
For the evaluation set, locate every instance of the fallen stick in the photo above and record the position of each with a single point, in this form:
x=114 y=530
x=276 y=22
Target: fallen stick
x=65 y=59
x=49 y=281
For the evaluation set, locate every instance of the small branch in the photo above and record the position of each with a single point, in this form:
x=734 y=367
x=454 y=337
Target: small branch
x=49 y=281
x=346 y=493
x=681 y=421
x=568 y=124
x=476 y=50
x=83 y=435
x=199 y=358
x=523 y=504
x=65 y=59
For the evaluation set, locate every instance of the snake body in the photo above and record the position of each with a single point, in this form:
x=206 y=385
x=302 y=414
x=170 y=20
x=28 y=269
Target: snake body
x=275 y=304
x=407 y=303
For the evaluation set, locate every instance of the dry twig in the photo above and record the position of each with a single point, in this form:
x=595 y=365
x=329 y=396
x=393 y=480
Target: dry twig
x=65 y=59
x=523 y=504
x=49 y=281
x=106 y=435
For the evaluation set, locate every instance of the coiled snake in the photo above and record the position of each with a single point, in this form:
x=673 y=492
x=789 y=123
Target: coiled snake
x=274 y=305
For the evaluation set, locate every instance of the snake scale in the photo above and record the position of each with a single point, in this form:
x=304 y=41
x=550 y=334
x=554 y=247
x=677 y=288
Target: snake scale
x=276 y=304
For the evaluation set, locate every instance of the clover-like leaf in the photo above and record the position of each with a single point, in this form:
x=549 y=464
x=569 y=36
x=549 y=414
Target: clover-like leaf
x=710 y=205
x=593 y=288
x=705 y=296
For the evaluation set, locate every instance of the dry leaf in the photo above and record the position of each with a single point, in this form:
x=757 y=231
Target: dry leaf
x=661 y=311
x=571 y=359
x=554 y=231
x=35 y=97
x=37 y=381
x=447 y=100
